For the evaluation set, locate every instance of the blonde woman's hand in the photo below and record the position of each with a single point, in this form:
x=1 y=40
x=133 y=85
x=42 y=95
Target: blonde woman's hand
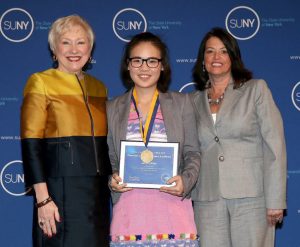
x=47 y=210
x=48 y=215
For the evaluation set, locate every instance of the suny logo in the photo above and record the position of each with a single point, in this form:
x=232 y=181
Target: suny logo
x=12 y=178
x=296 y=96
x=16 y=25
x=242 y=22
x=128 y=22
x=188 y=87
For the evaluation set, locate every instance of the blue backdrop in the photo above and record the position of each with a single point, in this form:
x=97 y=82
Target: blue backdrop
x=267 y=31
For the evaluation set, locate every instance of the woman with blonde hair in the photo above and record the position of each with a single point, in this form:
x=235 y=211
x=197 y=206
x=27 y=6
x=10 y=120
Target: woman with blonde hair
x=63 y=132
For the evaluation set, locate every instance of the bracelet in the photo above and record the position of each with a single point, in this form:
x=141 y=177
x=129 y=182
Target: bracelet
x=43 y=203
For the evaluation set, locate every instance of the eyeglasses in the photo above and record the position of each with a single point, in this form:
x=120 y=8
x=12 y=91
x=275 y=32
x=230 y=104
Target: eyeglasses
x=137 y=62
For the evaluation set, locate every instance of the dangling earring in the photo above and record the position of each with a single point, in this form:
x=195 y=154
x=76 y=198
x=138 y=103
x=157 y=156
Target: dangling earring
x=203 y=67
x=55 y=62
x=88 y=65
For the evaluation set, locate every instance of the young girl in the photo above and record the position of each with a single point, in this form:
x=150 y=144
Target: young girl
x=164 y=215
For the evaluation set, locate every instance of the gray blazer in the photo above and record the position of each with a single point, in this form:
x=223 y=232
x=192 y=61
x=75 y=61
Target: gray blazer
x=180 y=123
x=243 y=154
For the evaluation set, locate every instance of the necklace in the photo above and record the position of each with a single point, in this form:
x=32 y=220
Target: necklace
x=216 y=101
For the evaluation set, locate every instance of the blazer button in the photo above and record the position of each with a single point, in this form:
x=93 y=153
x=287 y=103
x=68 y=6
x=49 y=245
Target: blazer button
x=217 y=139
x=221 y=158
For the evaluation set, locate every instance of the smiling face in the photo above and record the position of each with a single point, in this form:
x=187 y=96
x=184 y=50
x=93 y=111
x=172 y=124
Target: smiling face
x=73 y=50
x=216 y=58
x=145 y=77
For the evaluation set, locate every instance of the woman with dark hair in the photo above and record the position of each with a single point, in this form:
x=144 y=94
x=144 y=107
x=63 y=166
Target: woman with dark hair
x=149 y=113
x=239 y=73
x=241 y=190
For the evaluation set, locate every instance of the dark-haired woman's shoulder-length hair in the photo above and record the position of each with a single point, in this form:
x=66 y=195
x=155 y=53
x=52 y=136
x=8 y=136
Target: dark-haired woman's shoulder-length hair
x=239 y=73
x=165 y=75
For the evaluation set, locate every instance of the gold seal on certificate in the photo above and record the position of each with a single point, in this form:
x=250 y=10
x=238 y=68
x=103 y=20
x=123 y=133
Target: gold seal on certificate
x=147 y=156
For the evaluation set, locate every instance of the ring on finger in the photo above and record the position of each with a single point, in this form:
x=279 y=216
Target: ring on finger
x=277 y=219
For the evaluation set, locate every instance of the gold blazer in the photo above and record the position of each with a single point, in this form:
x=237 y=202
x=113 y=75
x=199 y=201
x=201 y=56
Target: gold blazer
x=63 y=126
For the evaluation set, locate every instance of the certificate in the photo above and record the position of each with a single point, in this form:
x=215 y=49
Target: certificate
x=148 y=167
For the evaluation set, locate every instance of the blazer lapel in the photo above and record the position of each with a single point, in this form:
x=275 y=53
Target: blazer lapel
x=166 y=101
x=231 y=97
x=123 y=112
x=203 y=111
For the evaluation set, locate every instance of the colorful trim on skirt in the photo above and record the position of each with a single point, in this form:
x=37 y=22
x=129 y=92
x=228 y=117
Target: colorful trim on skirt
x=156 y=240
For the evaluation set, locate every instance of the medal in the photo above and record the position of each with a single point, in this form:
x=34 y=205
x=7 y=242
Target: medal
x=146 y=156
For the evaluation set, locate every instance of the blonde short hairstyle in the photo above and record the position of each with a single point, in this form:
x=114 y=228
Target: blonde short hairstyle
x=63 y=24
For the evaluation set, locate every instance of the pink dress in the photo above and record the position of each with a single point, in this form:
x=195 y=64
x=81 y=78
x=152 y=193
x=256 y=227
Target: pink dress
x=147 y=217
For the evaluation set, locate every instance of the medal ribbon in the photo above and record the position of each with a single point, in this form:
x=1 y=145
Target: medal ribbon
x=146 y=130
